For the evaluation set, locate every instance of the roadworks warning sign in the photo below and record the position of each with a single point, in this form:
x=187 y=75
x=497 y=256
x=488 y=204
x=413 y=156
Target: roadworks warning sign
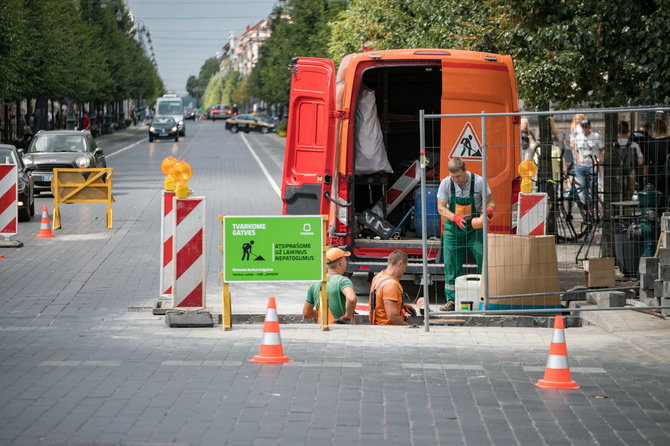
x=467 y=145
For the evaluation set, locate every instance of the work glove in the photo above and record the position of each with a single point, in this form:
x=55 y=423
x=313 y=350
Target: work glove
x=460 y=221
x=489 y=213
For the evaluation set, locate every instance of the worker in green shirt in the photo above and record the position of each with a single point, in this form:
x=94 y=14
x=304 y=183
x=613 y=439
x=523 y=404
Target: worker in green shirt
x=341 y=294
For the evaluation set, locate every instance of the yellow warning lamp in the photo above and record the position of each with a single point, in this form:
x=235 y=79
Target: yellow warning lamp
x=166 y=166
x=182 y=172
x=527 y=170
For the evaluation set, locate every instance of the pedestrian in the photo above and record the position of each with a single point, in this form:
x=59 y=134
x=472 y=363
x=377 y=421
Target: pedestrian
x=528 y=140
x=657 y=158
x=86 y=122
x=589 y=153
x=459 y=200
x=386 y=293
x=575 y=129
x=630 y=158
x=341 y=294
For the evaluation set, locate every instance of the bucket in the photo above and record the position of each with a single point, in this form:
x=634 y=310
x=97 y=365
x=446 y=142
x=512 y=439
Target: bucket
x=432 y=217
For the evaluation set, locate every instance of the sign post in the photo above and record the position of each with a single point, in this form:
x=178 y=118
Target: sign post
x=272 y=249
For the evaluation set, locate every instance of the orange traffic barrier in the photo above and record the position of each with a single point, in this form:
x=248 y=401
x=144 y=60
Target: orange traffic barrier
x=45 y=227
x=271 y=351
x=557 y=372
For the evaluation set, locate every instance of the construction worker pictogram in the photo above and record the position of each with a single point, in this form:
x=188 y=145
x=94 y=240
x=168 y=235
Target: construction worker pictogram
x=467 y=145
x=557 y=372
x=45 y=226
x=271 y=351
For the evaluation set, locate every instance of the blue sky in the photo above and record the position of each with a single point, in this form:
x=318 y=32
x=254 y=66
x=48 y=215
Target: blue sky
x=187 y=32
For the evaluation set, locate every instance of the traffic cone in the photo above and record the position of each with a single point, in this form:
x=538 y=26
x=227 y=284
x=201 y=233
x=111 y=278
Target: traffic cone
x=45 y=227
x=271 y=351
x=557 y=372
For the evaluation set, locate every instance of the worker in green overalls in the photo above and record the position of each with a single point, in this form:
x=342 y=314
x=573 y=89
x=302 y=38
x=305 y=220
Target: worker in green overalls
x=459 y=201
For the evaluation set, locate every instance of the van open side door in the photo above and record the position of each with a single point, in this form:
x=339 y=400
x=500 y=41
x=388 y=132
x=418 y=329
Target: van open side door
x=310 y=138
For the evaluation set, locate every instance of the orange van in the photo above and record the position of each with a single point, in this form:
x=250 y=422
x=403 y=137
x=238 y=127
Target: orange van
x=352 y=145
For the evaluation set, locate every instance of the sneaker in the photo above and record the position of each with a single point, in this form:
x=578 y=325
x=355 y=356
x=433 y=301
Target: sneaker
x=449 y=306
x=342 y=320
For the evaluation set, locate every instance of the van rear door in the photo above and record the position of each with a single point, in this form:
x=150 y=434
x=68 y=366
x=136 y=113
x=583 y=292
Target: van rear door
x=310 y=139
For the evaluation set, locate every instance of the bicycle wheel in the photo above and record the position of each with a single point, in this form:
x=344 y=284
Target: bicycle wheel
x=569 y=224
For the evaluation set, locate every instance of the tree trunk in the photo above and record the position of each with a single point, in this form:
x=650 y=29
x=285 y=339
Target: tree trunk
x=611 y=175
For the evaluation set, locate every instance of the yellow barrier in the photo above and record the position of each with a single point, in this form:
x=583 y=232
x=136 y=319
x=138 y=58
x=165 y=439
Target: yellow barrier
x=70 y=186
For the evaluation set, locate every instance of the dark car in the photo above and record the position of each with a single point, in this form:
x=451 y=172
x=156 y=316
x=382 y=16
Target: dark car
x=163 y=127
x=220 y=111
x=191 y=114
x=250 y=123
x=57 y=149
x=24 y=184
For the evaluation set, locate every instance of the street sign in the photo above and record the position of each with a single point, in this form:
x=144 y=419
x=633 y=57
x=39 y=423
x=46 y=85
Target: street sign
x=273 y=249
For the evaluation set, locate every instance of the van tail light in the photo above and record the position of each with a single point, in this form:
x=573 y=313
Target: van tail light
x=342 y=223
x=516 y=188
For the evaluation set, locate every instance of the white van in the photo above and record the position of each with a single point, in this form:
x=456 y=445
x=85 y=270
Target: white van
x=171 y=105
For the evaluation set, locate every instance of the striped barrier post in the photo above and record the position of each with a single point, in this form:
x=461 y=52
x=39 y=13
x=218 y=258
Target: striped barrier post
x=532 y=214
x=188 y=253
x=9 y=205
x=167 y=217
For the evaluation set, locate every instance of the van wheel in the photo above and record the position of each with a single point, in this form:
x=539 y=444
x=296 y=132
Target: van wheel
x=234 y=129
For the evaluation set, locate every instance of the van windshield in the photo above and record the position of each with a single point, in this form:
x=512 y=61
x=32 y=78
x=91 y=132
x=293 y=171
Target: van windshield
x=170 y=108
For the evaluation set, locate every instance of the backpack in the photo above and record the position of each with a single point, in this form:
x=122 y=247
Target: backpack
x=626 y=156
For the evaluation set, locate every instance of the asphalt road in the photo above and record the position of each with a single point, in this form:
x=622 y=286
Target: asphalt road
x=84 y=362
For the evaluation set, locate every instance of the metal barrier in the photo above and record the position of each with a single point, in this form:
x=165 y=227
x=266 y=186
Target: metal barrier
x=588 y=239
x=70 y=186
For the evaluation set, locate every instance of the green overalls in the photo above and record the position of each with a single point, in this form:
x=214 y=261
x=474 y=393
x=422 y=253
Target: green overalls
x=455 y=240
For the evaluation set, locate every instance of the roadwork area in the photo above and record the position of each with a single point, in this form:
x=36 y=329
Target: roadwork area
x=83 y=361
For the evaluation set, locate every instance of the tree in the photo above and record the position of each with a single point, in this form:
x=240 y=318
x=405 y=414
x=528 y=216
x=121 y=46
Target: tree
x=196 y=86
x=300 y=28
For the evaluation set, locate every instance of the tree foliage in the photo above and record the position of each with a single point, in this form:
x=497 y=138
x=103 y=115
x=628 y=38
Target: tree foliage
x=300 y=28
x=65 y=48
x=196 y=86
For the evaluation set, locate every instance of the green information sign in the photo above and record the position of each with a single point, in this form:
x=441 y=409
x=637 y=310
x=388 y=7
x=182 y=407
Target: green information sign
x=273 y=249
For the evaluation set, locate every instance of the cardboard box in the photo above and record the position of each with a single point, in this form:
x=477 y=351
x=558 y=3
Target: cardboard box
x=600 y=272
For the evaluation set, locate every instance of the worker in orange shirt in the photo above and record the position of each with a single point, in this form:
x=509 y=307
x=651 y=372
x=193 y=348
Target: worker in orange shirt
x=386 y=294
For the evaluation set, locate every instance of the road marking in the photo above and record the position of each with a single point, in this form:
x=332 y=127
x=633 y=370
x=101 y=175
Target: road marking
x=529 y=368
x=80 y=237
x=260 y=163
x=124 y=149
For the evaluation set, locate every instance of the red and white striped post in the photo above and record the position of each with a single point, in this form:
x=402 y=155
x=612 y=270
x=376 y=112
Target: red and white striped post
x=188 y=248
x=9 y=197
x=167 y=239
x=533 y=209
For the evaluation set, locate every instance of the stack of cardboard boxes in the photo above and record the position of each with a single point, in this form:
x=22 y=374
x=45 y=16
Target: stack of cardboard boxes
x=655 y=271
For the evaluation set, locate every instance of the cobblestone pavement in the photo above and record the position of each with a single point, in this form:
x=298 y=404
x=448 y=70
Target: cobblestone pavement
x=84 y=362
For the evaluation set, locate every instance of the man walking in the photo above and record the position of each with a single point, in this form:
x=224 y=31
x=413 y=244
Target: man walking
x=459 y=200
x=341 y=294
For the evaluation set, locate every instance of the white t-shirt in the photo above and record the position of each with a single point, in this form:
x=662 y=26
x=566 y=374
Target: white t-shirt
x=589 y=148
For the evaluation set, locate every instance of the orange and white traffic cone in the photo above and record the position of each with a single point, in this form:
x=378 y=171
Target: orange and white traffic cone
x=45 y=226
x=557 y=372
x=271 y=351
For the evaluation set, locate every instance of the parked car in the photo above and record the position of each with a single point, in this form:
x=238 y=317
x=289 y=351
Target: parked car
x=24 y=184
x=163 y=127
x=220 y=111
x=54 y=149
x=250 y=123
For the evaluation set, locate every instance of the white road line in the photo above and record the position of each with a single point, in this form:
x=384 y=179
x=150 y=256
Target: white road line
x=260 y=163
x=126 y=148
